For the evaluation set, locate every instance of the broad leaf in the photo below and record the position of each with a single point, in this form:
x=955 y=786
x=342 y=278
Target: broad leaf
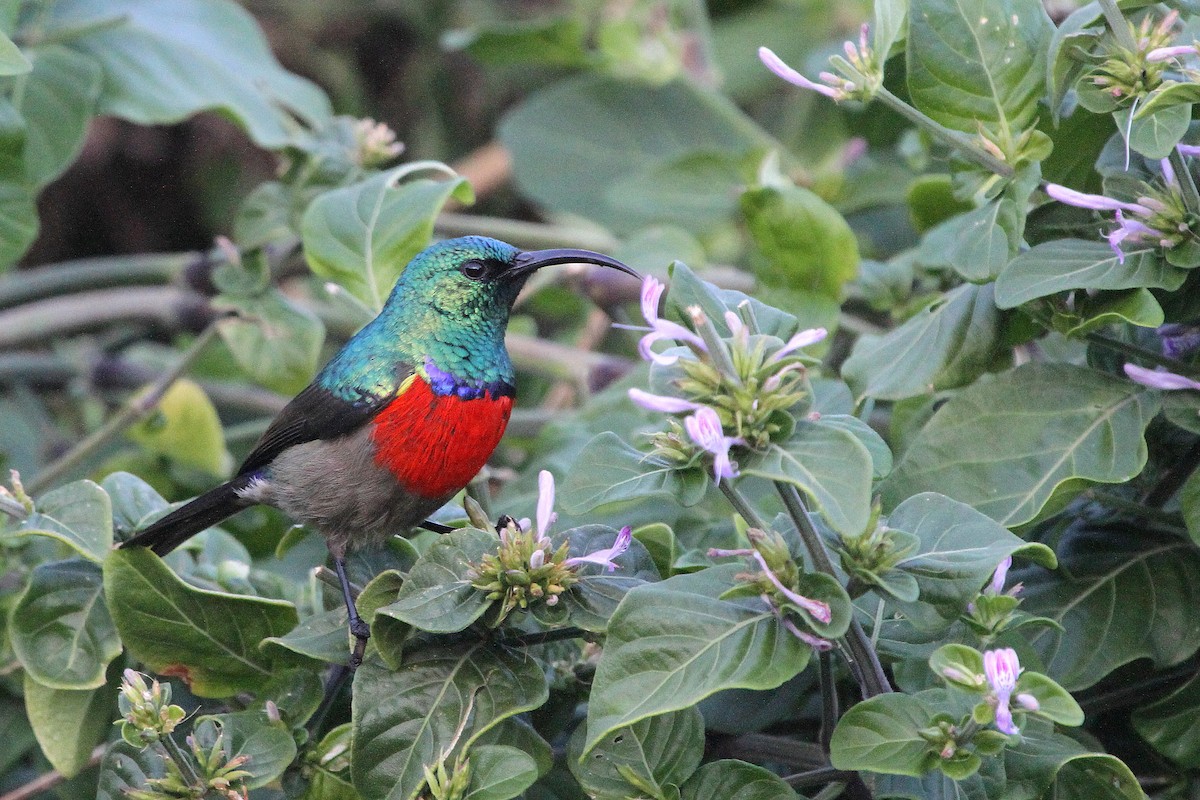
x=275 y=341
x=829 y=464
x=12 y=60
x=596 y=596
x=78 y=515
x=499 y=772
x=439 y=701
x=362 y=236
x=133 y=500
x=167 y=60
x=68 y=723
x=1155 y=135
x=673 y=643
x=640 y=759
x=945 y=345
x=1172 y=724
x=321 y=637
x=56 y=102
x=60 y=628
x=1119 y=595
x=882 y=734
x=185 y=427
x=437 y=595
x=1043 y=757
x=209 y=639
x=126 y=767
x=1011 y=442
x=1063 y=264
x=268 y=745
x=978 y=62
x=972 y=244
x=728 y=779
x=619 y=473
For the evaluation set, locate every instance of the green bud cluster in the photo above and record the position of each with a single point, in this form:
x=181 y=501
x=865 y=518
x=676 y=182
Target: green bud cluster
x=875 y=552
x=523 y=571
x=955 y=746
x=444 y=784
x=1126 y=74
x=215 y=775
x=146 y=710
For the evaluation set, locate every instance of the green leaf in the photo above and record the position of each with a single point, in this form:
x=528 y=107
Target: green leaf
x=499 y=772
x=12 y=60
x=362 y=236
x=439 y=701
x=437 y=596
x=607 y=131
x=550 y=41
x=1155 y=135
x=972 y=244
x=78 y=515
x=978 y=62
x=126 y=767
x=881 y=454
x=60 y=628
x=167 y=60
x=640 y=759
x=1063 y=264
x=185 y=427
x=966 y=661
x=267 y=744
x=960 y=549
x=1120 y=595
x=1011 y=442
x=1172 y=724
x=68 y=723
x=1054 y=702
x=596 y=596
x=618 y=473
x=804 y=241
x=829 y=464
x=685 y=191
x=1134 y=307
x=687 y=289
x=321 y=637
x=56 y=102
x=18 y=220
x=729 y=779
x=944 y=345
x=133 y=500
x=882 y=734
x=1189 y=505
x=673 y=643
x=1042 y=758
x=275 y=341
x=209 y=639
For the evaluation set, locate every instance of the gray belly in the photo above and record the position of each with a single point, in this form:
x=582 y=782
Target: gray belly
x=335 y=487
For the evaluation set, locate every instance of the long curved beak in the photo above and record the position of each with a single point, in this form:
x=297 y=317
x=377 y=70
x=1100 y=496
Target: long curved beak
x=532 y=260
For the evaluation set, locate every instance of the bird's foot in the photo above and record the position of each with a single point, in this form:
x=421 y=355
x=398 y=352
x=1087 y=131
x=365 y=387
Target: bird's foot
x=362 y=632
x=360 y=629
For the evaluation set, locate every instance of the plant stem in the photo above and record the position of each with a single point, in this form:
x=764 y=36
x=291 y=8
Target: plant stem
x=182 y=761
x=34 y=322
x=1187 y=184
x=1175 y=476
x=48 y=780
x=69 y=277
x=959 y=141
x=831 y=791
x=741 y=505
x=1116 y=345
x=815 y=777
x=136 y=407
x=829 y=698
x=1118 y=25
x=875 y=681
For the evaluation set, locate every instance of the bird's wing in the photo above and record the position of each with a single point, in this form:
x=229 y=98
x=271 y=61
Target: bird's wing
x=315 y=413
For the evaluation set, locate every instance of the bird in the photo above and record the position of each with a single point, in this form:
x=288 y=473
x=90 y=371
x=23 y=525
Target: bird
x=398 y=421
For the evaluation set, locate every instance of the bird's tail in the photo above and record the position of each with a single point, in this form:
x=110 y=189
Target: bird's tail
x=165 y=534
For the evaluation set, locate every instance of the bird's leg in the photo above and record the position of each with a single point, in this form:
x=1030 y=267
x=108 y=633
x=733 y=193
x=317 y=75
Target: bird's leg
x=436 y=527
x=360 y=629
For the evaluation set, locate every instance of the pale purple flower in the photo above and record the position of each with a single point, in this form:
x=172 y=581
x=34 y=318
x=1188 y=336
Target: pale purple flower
x=545 y=504
x=1179 y=341
x=537 y=558
x=1167 y=53
x=1096 y=202
x=815 y=642
x=652 y=291
x=1027 y=701
x=819 y=609
x=802 y=339
x=661 y=403
x=704 y=427
x=605 y=557
x=776 y=65
x=1159 y=378
x=997 y=585
x=1002 y=668
x=1189 y=150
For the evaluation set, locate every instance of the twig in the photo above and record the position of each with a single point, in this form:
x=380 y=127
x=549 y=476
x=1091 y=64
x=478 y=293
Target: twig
x=955 y=139
x=829 y=698
x=70 y=277
x=34 y=322
x=48 y=780
x=818 y=776
x=135 y=408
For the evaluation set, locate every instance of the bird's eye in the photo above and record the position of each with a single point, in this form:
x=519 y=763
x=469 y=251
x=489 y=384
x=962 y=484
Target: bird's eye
x=475 y=270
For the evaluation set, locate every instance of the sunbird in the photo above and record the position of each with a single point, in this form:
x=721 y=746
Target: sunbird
x=399 y=420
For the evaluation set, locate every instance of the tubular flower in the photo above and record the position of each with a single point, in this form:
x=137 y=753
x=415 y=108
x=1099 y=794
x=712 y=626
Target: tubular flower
x=1002 y=668
x=662 y=403
x=652 y=292
x=605 y=557
x=1126 y=74
x=859 y=74
x=704 y=427
x=1159 y=378
x=545 y=505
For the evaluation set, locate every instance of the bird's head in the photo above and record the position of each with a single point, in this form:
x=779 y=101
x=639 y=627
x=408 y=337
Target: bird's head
x=477 y=278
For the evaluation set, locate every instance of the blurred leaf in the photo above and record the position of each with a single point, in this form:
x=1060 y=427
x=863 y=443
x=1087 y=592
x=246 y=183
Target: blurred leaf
x=439 y=701
x=602 y=131
x=829 y=464
x=1010 y=443
x=1120 y=595
x=167 y=60
x=1189 y=505
x=1063 y=264
x=12 y=60
x=728 y=779
x=944 y=345
x=617 y=473
x=362 y=236
x=499 y=772
x=437 y=596
x=68 y=723
x=547 y=42
x=978 y=62
x=133 y=500
x=60 y=628
x=694 y=191
x=275 y=341
x=208 y=639
x=673 y=643
x=1172 y=724
x=267 y=745
x=126 y=767
x=78 y=515
x=639 y=760
x=882 y=734
x=186 y=428
x=806 y=243
x=56 y=102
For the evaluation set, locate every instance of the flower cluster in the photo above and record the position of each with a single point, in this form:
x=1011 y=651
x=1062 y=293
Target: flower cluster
x=734 y=390
x=1157 y=218
x=146 y=711
x=858 y=76
x=375 y=143
x=776 y=583
x=527 y=569
x=992 y=611
x=1126 y=74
